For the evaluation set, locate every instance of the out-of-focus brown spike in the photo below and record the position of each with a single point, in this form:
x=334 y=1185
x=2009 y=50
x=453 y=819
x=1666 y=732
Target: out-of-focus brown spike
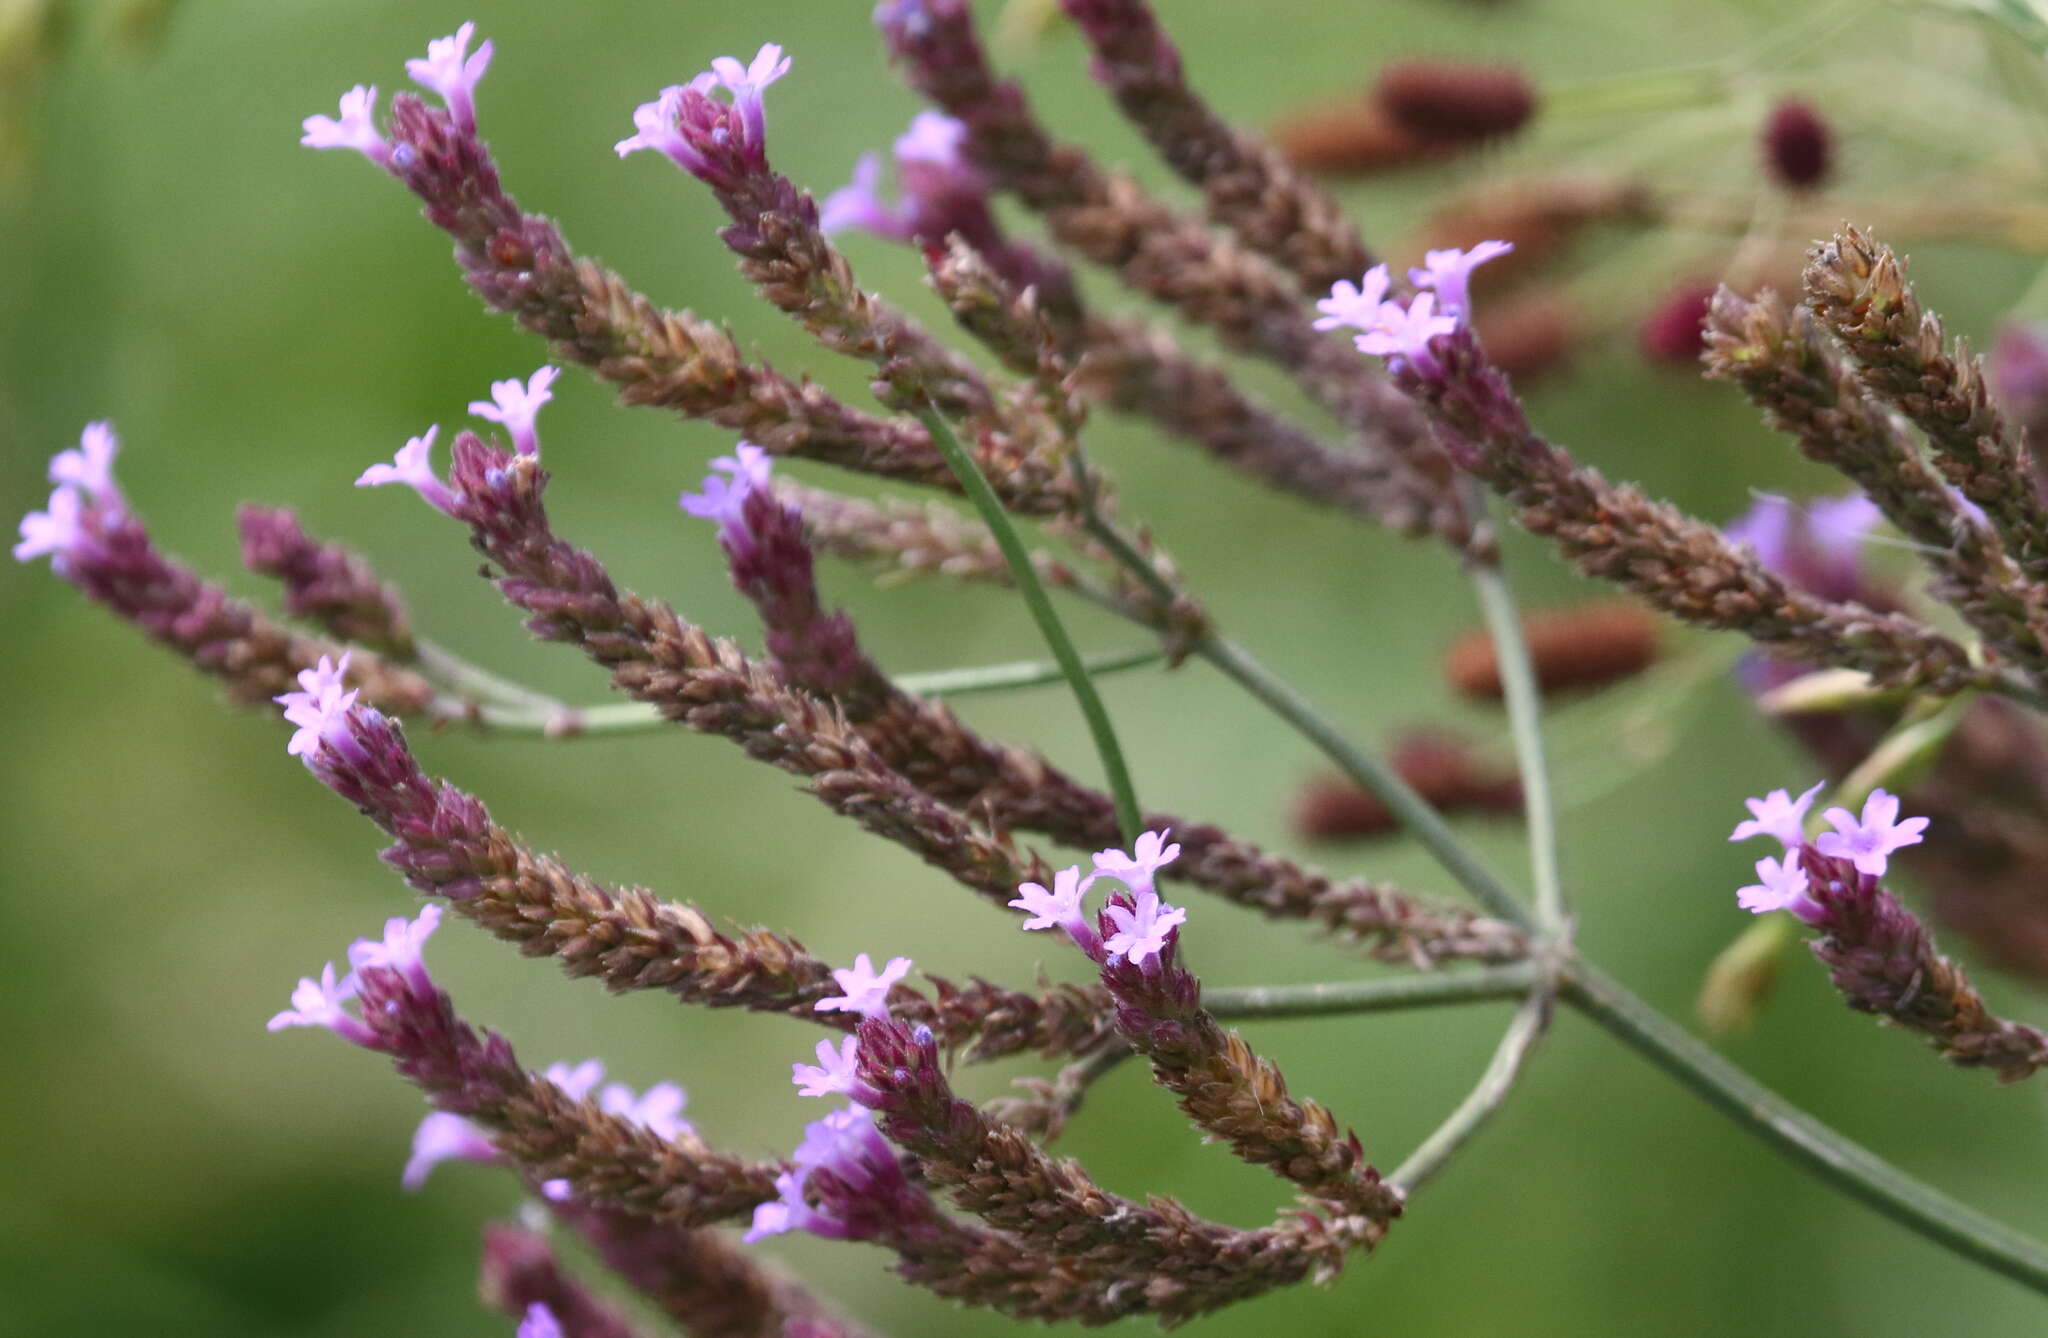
x=1350 y=138
x=1454 y=102
x=1442 y=768
x=1542 y=215
x=1586 y=646
x=1530 y=335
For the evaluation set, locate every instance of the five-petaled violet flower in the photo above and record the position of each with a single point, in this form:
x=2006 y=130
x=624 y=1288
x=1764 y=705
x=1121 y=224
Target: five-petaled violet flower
x=659 y=1110
x=452 y=72
x=846 y=1144
x=693 y=130
x=833 y=1074
x=399 y=950
x=1783 y=888
x=413 y=467
x=357 y=128
x=1150 y=854
x=937 y=184
x=540 y=1321
x=318 y=1003
x=723 y=498
x=319 y=708
x=1867 y=841
x=89 y=466
x=1403 y=333
x=578 y=1081
x=1354 y=305
x=443 y=1136
x=867 y=990
x=53 y=531
x=1778 y=814
x=1142 y=930
x=1449 y=273
x=748 y=83
x=515 y=404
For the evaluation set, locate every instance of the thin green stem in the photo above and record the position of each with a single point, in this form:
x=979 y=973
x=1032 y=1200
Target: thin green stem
x=1847 y=1166
x=562 y=721
x=1411 y=809
x=1532 y=1019
x=1018 y=559
x=475 y=681
x=1525 y=722
x=1394 y=993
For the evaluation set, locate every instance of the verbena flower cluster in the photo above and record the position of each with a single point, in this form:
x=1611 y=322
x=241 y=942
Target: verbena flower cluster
x=962 y=1195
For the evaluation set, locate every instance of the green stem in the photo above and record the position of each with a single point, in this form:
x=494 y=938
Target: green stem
x=1328 y=998
x=475 y=681
x=1525 y=722
x=1018 y=559
x=1841 y=1163
x=1436 y=1151
x=563 y=721
x=1411 y=809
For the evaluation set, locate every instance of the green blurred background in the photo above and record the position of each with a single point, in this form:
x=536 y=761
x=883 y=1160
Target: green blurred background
x=261 y=322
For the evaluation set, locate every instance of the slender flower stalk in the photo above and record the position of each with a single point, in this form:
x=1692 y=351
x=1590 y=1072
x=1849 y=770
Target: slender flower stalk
x=521 y=1276
x=327 y=584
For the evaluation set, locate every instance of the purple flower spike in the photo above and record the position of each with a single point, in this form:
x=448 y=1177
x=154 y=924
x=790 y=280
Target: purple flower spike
x=412 y=467
x=1403 y=333
x=748 y=84
x=318 y=1003
x=53 y=531
x=1449 y=273
x=450 y=71
x=399 y=950
x=443 y=1137
x=1783 y=888
x=867 y=990
x=1867 y=842
x=540 y=1321
x=319 y=708
x=1355 y=305
x=723 y=498
x=1137 y=870
x=89 y=466
x=833 y=1074
x=659 y=1111
x=357 y=128
x=515 y=405
x=1142 y=930
x=1778 y=814
x=578 y=1082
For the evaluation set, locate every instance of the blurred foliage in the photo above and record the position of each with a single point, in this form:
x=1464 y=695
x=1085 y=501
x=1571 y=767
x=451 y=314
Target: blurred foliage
x=262 y=321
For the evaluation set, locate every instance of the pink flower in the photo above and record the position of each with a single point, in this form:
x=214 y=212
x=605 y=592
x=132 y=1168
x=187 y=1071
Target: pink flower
x=1404 y=333
x=748 y=84
x=659 y=1110
x=318 y=1003
x=53 y=531
x=89 y=466
x=1137 y=870
x=1061 y=907
x=1354 y=305
x=399 y=950
x=722 y=499
x=1142 y=930
x=540 y=1321
x=1449 y=273
x=412 y=467
x=1783 y=888
x=319 y=708
x=859 y=204
x=789 y=1212
x=1778 y=814
x=940 y=190
x=578 y=1082
x=1867 y=842
x=833 y=1074
x=867 y=990
x=450 y=71
x=516 y=405
x=357 y=128
x=443 y=1136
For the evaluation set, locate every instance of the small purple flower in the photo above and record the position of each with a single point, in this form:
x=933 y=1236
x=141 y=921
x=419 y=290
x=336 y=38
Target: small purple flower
x=1783 y=888
x=443 y=1136
x=659 y=129
x=399 y=950
x=1142 y=930
x=318 y=1003
x=357 y=128
x=515 y=405
x=450 y=71
x=1449 y=273
x=859 y=204
x=658 y=1111
x=941 y=191
x=1355 y=305
x=319 y=708
x=1403 y=333
x=1137 y=870
x=784 y=1214
x=1778 y=814
x=748 y=84
x=835 y=1073
x=53 y=531
x=1866 y=842
x=1060 y=908
x=412 y=467
x=723 y=499
x=578 y=1082
x=540 y=1321
x=1818 y=546
x=867 y=990
x=846 y=1144
x=89 y=466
